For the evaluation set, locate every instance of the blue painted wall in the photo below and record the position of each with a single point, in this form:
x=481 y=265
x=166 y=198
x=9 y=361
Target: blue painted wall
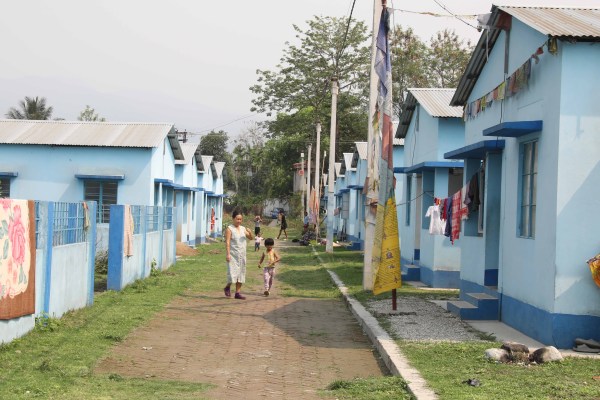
x=546 y=286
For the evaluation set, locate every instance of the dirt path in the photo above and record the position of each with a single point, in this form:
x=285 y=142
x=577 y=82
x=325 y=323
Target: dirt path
x=260 y=348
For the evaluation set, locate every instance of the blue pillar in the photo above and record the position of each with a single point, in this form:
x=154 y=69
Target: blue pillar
x=143 y=210
x=115 y=247
x=48 y=267
x=161 y=230
x=91 y=241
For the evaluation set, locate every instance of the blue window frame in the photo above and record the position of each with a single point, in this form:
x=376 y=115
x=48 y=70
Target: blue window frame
x=102 y=192
x=5 y=187
x=527 y=199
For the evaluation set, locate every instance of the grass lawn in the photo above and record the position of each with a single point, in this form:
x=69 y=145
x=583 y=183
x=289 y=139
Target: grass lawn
x=57 y=359
x=445 y=366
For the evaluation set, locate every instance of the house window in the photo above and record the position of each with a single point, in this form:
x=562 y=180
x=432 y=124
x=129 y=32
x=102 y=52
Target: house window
x=4 y=187
x=102 y=192
x=408 y=199
x=528 y=168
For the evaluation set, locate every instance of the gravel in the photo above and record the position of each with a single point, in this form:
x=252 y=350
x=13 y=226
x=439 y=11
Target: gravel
x=419 y=319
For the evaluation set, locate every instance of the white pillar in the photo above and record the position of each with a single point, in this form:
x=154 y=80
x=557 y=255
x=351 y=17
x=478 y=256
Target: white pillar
x=317 y=172
x=330 y=195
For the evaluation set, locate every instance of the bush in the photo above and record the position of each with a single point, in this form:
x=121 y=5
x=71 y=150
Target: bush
x=101 y=264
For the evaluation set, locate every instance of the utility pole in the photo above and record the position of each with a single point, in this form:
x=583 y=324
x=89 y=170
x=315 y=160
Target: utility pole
x=317 y=177
x=302 y=181
x=330 y=189
x=308 y=190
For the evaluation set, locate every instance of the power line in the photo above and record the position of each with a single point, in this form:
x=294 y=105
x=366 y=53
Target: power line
x=454 y=15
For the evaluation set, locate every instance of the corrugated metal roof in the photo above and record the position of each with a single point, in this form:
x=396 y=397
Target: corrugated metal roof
x=206 y=160
x=188 y=150
x=435 y=101
x=362 y=149
x=79 y=133
x=89 y=134
x=348 y=161
x=563 y=22
x=219 y=165
x=337 y=166
x=559 y=21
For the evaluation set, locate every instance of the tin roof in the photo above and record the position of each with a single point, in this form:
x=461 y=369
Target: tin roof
x=361 y=148
x=563 y=22
x=88 y=134
x=435 y=101
x=559 y=21
x=188 y=150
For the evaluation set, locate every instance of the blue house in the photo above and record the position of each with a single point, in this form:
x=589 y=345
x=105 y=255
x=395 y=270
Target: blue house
x=532 y=135
x=429 y=127
x=187 y=192
x=359 y=164
x=106 y=162
x=210 y=206
x=398 y=155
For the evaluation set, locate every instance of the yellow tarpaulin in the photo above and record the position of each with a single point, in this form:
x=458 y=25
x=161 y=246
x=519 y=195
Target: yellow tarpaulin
x=387 y=276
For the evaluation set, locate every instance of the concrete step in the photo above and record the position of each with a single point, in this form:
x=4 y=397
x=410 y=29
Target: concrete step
x=411 y=272
x=475 y=306
x=462 y=309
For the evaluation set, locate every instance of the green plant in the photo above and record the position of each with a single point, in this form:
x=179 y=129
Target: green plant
x=43 y=322
x=153 y=270
x=101 y=262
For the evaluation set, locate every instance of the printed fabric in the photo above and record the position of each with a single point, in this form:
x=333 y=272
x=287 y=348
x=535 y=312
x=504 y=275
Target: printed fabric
x=17 y=258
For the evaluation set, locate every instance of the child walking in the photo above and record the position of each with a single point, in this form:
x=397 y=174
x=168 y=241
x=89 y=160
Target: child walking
x=272 y=258
x=257 y=240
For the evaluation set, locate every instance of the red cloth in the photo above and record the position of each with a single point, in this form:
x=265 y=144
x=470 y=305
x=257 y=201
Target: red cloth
x=457 y=214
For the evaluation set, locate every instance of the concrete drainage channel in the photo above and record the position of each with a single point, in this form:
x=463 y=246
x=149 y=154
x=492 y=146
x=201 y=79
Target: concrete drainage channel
x=385 y=345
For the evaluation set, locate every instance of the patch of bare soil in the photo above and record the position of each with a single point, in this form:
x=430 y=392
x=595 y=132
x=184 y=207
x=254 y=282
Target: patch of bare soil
x=183 y=249
x=260 y=348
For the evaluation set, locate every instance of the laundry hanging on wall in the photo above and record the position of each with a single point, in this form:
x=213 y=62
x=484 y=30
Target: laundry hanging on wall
x=17 y=258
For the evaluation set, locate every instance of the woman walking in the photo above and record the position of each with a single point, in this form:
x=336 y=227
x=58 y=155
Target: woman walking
x=235 y=246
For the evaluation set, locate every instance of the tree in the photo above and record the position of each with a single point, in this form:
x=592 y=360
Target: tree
x=298 y=92
x=215 y=144
x=31 y=108
x=409 y=64
x=303 y=78
x=448 y=58
x=89 y=114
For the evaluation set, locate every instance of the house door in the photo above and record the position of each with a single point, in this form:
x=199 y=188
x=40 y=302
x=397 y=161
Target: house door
x=492 y=185
x=418 y=216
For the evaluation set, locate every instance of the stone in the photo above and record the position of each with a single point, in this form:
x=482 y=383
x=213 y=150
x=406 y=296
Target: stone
x=514 y=347
x=499 y=355
x=546 y=354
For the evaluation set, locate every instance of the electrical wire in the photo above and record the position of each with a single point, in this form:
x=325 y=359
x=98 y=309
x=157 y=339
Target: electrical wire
x=454 y=15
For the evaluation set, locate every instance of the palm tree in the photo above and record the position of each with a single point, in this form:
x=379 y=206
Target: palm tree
x=31 y=108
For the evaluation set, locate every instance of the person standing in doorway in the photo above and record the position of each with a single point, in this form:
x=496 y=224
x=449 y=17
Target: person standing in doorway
x=235 y=246
x=283 y=226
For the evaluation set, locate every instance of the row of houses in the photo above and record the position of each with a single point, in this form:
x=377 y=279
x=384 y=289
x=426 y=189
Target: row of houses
x=515 y=149
x=113 y=163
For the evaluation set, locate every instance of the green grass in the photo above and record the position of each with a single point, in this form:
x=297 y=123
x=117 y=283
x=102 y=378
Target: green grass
x=445 y=366
x=382 y=388
x=56 y=360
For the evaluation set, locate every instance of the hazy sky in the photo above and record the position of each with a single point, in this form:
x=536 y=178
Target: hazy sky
x=187 y=62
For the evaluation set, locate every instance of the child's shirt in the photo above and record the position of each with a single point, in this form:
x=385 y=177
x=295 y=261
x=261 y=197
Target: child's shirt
x=257 y=240
x=270 y=257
